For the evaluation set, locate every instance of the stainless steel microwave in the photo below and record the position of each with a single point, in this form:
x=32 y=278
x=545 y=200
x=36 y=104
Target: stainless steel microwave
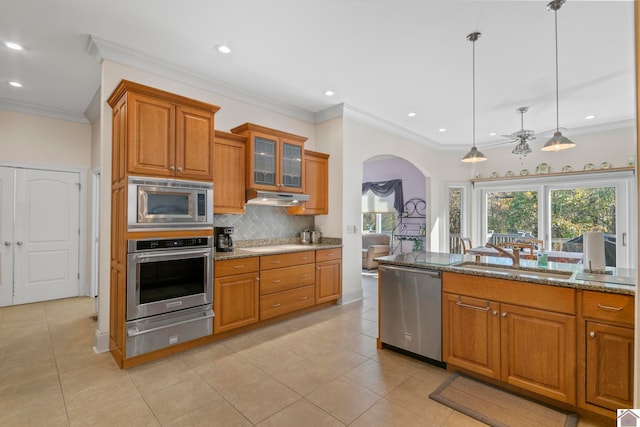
x=160 y=203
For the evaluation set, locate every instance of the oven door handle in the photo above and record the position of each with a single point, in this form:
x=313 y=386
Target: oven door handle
x=134 y=332
x=147 y=257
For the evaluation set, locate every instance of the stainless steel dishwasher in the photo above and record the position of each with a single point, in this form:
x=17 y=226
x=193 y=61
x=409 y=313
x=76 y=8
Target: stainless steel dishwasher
x=411 y=311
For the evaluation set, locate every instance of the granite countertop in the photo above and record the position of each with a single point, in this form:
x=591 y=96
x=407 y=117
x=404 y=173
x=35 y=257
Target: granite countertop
x=279 y=248
x=617 y=280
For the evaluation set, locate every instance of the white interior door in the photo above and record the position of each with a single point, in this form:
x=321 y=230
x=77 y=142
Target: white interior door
x=46 y=234
x=6 y=235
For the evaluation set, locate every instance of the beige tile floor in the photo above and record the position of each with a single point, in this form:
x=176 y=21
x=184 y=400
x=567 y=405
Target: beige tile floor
x=320 y=369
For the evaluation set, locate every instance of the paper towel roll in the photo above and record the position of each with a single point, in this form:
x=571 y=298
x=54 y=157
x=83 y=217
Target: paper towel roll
x=593 y=250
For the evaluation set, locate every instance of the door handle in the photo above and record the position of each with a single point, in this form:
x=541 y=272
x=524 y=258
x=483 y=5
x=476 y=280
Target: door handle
x=19 y=243
x=7 y=243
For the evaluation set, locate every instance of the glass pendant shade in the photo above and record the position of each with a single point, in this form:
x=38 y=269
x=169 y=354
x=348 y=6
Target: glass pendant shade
x=522 y=149
x=474 y=156
x=558 y=142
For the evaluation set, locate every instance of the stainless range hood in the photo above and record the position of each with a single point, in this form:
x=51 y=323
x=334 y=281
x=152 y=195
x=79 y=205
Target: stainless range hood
x=272 y=198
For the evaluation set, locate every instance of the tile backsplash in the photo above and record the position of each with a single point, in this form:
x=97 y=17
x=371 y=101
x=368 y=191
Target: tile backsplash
x=264 y=222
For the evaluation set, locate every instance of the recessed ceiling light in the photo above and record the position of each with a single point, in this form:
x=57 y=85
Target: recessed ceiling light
x=590 y=117
x=15 y=84
x=329 y=92
x=12 y=45
x=442 y=130
x=223 y=48
x=411 y=114
x=492 y=134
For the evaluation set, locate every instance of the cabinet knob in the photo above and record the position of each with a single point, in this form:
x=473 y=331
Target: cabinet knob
x=179 y=169
x=19 y=243
x=172 y=167
x=494 y=312
x=504 y=314
x=592 y=334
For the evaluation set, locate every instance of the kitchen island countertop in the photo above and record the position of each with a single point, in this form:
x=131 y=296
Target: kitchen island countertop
x=617 y=280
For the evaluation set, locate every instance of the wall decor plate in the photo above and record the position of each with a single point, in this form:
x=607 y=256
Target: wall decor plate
x=524 y=172
x=543 y=168
x=605 y=165
x=494 y=174
x=509 y=173
x=589 y=166
x=567 y=168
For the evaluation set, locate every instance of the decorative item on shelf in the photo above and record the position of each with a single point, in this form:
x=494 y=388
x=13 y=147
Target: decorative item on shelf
x=543 y=169
x=589 y=167
x=474 y=155
x=509 y=173
x=605 y=165
x=567 y=168
x=494 y=174
x=558 y=141
x=524 y=172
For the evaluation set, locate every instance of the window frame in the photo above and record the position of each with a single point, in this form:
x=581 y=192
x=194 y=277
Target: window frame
x=623 y=181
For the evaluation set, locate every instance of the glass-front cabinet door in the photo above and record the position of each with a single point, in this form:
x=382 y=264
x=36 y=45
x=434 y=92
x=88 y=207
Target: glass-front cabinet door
x=291 y=166
x=264 y=160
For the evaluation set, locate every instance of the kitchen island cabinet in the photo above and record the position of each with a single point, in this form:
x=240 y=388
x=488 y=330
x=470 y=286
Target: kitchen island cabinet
x=516 y=332
x=606 y=351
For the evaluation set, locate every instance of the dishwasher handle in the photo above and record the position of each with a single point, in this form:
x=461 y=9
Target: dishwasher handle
x=434 y=274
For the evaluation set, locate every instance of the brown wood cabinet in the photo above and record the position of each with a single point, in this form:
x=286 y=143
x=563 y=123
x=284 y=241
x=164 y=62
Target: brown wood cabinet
x=229 y=173
x=275 y=159
x=236 y=294
x=607 y=351
x=512 y=331
x=166 y=135
x=315 y=184
x=328 y=275
x=287 y=283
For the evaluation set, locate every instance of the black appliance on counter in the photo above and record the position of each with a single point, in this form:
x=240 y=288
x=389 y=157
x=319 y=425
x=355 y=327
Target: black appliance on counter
x=224 y=242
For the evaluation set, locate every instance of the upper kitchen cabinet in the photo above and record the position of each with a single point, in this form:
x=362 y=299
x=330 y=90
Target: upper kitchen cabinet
x=165 y=135
x=275 y=159
x=315 y=184
x=229 y=173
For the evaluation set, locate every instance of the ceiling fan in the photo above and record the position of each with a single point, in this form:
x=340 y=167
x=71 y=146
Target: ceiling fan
x=522 y=136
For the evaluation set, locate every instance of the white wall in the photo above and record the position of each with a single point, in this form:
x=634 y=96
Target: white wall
x=38 y=140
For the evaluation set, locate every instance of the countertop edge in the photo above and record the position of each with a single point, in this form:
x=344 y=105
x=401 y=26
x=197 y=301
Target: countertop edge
x=565 y=283
x=240 y=253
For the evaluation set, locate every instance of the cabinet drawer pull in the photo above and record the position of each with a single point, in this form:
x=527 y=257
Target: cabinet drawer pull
x=304 y=276
x=304 y=258
x=275 y=262
x=608 y=307
x=238 y=266
x=275 y=281
x=304 y=298
x=461 y=304
x=276 y=305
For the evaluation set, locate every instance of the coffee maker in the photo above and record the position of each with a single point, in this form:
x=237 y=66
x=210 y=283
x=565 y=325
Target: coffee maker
x=224 y=242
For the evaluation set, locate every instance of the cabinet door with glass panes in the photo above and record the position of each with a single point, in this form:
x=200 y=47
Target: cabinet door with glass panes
x=291 y=165
x=275 y=164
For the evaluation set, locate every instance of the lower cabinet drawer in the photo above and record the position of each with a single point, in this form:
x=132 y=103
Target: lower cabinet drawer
x=608 y=307
x=283 y=279
x=283 y=302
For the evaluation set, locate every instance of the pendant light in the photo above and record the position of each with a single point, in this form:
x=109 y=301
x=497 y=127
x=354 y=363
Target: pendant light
x=558 y=141
x=474 y=156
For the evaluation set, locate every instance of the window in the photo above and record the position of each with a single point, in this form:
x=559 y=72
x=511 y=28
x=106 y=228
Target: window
x=378 y=213
x=455 y=219
x=559 y=211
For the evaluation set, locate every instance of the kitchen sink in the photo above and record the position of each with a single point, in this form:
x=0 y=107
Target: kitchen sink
x=516 y=271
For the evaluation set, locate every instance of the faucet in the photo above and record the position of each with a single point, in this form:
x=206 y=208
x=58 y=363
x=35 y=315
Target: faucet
x=514 y=254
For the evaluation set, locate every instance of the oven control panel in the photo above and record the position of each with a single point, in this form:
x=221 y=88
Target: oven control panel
x=163 y=244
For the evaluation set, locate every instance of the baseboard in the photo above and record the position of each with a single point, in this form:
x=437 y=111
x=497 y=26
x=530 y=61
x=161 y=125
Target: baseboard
x=352 y=296
x=101 y=342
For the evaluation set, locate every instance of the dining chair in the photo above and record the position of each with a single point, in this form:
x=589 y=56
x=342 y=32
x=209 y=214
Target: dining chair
x=466 y=244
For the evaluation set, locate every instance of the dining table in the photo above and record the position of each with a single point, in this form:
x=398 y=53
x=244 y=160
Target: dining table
x=553 y=256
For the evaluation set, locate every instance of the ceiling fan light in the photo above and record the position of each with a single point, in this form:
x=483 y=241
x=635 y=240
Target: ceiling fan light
x=558 y=142
x=474 y=156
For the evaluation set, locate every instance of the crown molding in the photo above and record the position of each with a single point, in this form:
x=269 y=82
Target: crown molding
x=38 y=110
x=92 y=113
x=103 y=49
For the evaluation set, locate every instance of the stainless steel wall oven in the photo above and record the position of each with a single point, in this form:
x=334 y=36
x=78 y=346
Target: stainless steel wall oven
x=169 y=292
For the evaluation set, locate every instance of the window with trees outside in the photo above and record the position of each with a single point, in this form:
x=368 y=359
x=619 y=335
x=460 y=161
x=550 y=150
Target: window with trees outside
x=378 y=214
x=560 y=213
